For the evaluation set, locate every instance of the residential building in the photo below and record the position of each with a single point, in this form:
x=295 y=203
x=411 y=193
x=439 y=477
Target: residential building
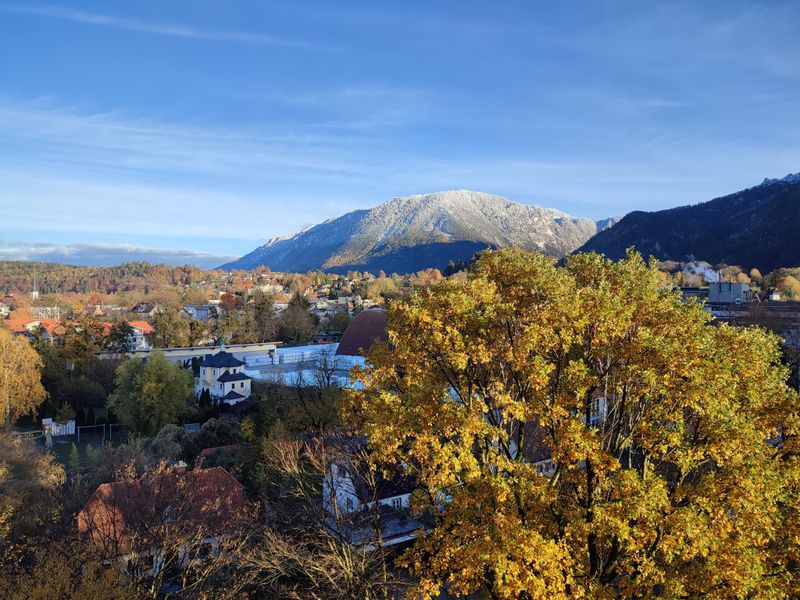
x=46 y=312
x=359 y=504
x=140 y=339
x=726 y=292
x=145 y=309
x=201 y=312
x=144 y=522
x=223 y=376
x=48 y=328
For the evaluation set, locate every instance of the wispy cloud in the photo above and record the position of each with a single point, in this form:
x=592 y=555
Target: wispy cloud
x=112 y=141
x=105 y=255
x=167 y=29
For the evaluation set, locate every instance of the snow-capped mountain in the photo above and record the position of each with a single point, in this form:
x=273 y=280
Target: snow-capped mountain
x=411 y=233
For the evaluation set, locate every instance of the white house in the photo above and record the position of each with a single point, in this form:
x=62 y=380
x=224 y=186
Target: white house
x=355 y=506
x=140 y=337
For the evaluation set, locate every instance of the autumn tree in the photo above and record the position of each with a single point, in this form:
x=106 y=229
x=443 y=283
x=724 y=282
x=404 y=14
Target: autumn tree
x=231 y=301
x=21 y=390
x=150 y=394
x=790 y=286
x=81 y=341
x=673 y=443
x=198 y=331
x=29 y=496
x=299 y=554
x=297 y=324
x=67 y=570
x=234 y=326
x=339 y=321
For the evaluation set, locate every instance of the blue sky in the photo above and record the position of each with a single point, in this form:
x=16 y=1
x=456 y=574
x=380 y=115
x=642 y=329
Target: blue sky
x=209 y=126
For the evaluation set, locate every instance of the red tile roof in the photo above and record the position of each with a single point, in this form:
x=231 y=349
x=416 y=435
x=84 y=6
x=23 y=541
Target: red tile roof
x=143 y=326
x=16 y=325
x=162 y=506
x=51 y=326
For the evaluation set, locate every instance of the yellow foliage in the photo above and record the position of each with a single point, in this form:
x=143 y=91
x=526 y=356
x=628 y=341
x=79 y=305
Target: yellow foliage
x=674 y=490
x=21 y=390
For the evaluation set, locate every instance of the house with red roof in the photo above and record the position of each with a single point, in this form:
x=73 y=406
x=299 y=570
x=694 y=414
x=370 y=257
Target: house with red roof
x=164 y=518
x=142 y=330
x=49 y=328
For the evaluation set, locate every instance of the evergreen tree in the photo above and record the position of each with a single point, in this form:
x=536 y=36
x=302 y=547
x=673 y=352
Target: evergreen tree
x=120 y=338
x=263 y=316
x=74 y=461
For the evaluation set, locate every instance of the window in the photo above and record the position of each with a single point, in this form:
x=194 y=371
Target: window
x=241 y=385
x=598 y=410
x=349 y=505
x=397 y=503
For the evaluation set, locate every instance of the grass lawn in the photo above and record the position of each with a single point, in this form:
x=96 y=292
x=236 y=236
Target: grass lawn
x=62 y=445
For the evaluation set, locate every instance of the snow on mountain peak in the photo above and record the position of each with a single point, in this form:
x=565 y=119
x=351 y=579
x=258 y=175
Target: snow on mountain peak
x=408 y=227
x=790 y=178
x=289 y=236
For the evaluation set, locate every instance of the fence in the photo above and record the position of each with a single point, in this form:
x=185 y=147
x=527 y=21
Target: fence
x=103 y=427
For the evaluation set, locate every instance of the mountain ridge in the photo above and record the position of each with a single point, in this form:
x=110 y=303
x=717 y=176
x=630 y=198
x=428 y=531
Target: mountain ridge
x=752 y=228
x=360 y=238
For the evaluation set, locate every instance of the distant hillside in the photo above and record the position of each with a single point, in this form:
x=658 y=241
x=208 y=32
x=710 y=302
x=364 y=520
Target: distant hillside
x=757 y=227
x=411 y=233
x=54 y=278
